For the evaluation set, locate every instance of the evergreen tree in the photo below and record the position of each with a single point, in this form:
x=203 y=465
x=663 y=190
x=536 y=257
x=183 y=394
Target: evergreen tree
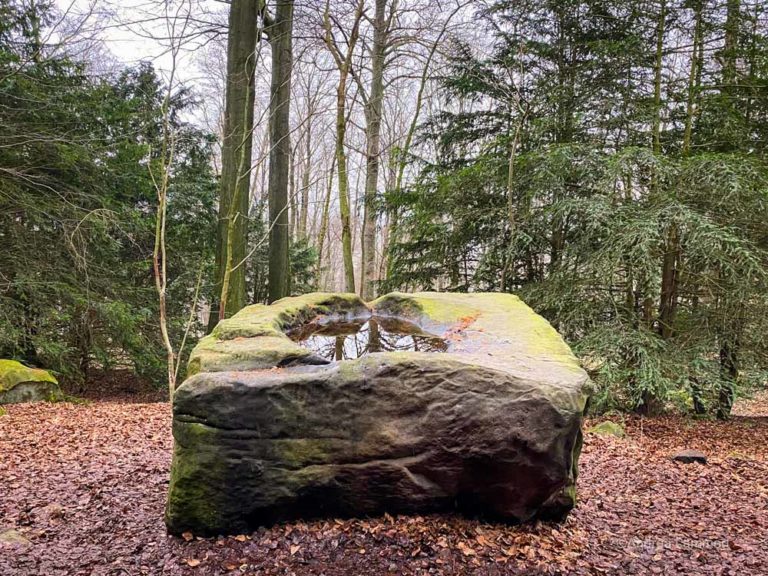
x=76 y=208
x=622 y=198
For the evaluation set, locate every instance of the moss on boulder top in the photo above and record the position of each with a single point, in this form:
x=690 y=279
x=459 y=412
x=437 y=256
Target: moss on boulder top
x=255 y=338
x=13 y=373
x=497 y=331
x=493 y=330
x=18 y=383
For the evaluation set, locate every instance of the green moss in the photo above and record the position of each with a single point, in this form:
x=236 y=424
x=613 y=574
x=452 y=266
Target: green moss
x=301 y=452
x=273 y=320
x=2 y=412
x=446 y=308
x=255 y=338
x=495 y=314
x=198 y=473
x=436 y=307
x=13 y=373
x=608 y=428
x=569 y=492
x=75 y=400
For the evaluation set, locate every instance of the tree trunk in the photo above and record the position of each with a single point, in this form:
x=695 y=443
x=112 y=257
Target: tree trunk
x=660 y=26
x=730 y=48
x=671 y=257
x=729 y=346
x=321 y=235
x=729 y=371
x=694 y=78
x=511 y=207
x=305 y=180
x=280 y=35
x=373 y=152
x=344 y=65
x=344 y=207
x=293 y=213
x=669 y=282
x=236 y=160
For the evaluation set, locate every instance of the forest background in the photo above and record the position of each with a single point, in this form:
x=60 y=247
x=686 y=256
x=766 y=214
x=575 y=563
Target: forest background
x=604 y=160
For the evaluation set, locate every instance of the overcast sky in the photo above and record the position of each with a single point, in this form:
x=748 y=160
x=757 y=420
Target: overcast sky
x=127 y=28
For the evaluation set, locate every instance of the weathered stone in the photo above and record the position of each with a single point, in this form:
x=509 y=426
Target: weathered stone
x=254 y=338
x=21 y=384
x=690 y=456
x=50 y=512
x=11 y=537
x=608 y=428
x=493 y=426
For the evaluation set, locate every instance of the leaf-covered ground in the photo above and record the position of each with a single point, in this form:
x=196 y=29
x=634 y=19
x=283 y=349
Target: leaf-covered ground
x=82 y=490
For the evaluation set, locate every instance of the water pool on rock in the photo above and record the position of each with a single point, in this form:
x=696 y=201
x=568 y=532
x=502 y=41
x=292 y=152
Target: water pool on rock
x=348 y=340
x=266 y=429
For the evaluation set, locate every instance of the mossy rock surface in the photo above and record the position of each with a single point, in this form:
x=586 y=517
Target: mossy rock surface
x=19 y=384
x=491 y=427
x=255 y=338
x=608 y=428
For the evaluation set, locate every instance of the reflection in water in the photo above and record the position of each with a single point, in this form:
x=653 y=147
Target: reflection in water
x=348 y=340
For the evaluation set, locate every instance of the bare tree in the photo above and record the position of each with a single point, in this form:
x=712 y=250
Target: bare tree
x=343 y=58
x=160 y=172
x=373 y=149
x=279 y=30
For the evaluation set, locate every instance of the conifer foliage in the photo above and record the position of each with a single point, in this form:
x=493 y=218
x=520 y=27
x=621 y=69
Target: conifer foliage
x=77 y=207
x=607 y=162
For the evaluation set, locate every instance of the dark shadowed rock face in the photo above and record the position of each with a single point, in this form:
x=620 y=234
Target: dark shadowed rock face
x=491 y=427
x=690 y=457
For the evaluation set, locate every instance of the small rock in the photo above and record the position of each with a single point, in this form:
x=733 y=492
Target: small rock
x=12 y=537
x=608 y=428
x=690 y=456
x=53 y=511
x=21 y=384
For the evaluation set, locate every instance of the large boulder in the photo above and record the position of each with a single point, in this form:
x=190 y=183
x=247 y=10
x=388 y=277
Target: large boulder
x=265 y=430
x=21 y=384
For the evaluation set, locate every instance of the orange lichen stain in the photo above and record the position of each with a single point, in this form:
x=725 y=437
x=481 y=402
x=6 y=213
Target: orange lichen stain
x=454 y=332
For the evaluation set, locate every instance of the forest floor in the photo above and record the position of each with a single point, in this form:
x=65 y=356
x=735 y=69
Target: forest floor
x=82 y=491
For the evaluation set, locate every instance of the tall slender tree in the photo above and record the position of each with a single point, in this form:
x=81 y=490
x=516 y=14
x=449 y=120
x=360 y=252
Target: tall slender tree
x=373 y=149
x=279 y=31
x=234 y=198
x=342 y=56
